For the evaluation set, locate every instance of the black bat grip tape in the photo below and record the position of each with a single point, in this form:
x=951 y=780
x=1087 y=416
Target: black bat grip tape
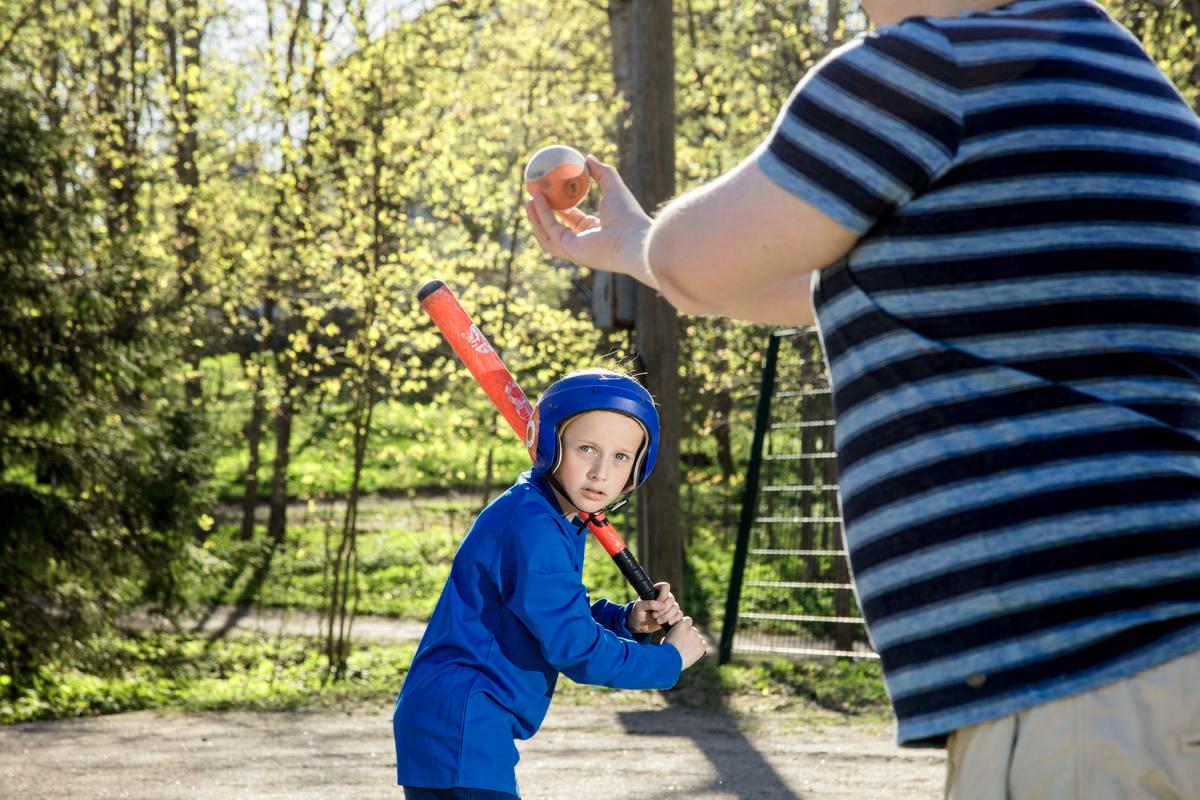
x=636 y=576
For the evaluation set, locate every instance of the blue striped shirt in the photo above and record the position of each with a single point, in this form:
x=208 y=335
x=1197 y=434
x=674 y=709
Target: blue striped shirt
x=1014 y=345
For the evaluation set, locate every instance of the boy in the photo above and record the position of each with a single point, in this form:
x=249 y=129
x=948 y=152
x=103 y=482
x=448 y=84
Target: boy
x=514 y=612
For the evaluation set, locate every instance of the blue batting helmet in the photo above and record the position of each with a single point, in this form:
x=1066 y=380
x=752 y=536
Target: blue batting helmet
x=592 y=390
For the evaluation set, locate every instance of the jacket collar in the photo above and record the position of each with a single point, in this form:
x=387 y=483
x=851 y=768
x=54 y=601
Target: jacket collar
x=538 y=481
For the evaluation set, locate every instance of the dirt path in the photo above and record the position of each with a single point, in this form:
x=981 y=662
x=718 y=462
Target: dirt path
x=596 y=745
x=228 y=620
x=619 y=745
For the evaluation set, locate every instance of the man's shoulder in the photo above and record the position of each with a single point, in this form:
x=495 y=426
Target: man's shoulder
x=1048 y=20
x=914 y=46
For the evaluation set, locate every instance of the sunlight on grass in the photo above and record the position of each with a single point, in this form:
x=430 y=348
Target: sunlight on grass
x=405 y=551
x=171 y=671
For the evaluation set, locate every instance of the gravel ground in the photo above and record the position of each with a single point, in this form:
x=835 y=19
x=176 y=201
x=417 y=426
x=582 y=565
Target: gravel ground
x=609 y=746
x=593 y=746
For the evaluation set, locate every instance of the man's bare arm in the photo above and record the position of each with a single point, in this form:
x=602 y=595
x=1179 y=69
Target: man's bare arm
x=740 y=246
x=743 y=247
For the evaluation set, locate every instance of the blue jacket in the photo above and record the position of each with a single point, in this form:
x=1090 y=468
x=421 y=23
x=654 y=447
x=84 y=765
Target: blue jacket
x=513 y=615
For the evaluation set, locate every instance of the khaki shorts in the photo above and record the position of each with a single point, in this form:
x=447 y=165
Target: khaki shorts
x=1137 y=738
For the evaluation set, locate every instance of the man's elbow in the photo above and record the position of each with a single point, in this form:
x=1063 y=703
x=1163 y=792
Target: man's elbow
x=676 y=281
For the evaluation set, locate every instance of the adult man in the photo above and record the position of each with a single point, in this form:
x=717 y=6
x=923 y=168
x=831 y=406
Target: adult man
x=998 y=210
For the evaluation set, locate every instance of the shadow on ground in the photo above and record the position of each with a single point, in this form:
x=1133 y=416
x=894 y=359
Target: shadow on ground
x=741 y=771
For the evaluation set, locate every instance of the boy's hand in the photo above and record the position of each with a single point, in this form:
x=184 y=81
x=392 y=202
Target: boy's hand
x=647 y=616
x=687 y=641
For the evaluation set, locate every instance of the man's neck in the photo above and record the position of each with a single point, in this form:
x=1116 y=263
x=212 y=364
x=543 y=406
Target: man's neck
x=889 y=12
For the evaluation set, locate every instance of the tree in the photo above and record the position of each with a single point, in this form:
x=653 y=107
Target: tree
x=643 y=66
x=1170 y=33
x=100 y=469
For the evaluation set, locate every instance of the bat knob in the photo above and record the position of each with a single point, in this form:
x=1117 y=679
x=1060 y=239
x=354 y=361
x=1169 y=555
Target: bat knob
x=429 y=289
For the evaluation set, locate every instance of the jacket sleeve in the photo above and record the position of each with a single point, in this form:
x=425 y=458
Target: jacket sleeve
x=616 y=619
x=611 y=616
x=551 y=602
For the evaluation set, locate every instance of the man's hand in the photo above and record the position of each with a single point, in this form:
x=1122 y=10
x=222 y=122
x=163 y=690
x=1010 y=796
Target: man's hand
x=647 y=616
x=613 y=241
x=687 y=641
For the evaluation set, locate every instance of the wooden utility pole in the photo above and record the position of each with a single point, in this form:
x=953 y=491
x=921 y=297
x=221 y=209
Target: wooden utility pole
x=644 y=70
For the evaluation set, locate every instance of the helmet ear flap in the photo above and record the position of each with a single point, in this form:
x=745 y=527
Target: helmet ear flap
x=635 y=475
x=558 y=446
x=531 y=435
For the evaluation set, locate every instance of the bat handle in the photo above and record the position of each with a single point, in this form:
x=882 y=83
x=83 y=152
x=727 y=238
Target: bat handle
x=636 y=576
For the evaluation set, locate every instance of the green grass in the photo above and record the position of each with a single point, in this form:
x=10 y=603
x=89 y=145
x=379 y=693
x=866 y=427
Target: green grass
x=168 y=671
x=159 y=670
x=842 y=685
x=838 y=686
x=421 y=450
x=413 y=447
x=405 y=549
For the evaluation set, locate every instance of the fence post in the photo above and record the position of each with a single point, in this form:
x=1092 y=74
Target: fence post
x=762 y=421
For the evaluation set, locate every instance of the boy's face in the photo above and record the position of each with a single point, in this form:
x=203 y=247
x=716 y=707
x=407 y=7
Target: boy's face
x=598 y=452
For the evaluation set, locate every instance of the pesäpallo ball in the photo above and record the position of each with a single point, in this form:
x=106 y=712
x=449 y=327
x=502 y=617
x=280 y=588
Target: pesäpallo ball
x=560 y=173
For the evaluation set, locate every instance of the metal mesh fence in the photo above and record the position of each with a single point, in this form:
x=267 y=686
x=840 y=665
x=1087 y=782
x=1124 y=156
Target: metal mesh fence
x=790 y=592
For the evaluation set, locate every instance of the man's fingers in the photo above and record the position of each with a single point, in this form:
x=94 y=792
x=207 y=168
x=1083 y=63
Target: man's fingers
x=542 y=212
x=539 y=211
x=535 y=221
x=577 y=220
x=548 y=230
x=606 y=176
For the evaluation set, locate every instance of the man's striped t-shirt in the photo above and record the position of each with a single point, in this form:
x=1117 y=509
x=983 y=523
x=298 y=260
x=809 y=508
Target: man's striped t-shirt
x=1014 y=345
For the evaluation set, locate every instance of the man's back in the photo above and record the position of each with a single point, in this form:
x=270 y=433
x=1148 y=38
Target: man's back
x=1015 y=351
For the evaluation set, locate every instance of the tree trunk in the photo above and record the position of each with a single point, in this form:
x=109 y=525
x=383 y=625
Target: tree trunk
x=833 y=18
x=277 y=521
x=115 y=115
x=485 y=494
x=344 y=591
x=614 y=297
x=844 y=632
x=1193 y=9
x=253 y=434
x=644 y=68
x=721 y=432
x=183 y=61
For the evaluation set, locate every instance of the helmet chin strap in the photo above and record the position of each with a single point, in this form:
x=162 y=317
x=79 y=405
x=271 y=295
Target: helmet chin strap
x=585 y=516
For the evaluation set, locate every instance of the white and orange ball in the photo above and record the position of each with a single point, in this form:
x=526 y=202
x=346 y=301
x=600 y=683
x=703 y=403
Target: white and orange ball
x=560 y=173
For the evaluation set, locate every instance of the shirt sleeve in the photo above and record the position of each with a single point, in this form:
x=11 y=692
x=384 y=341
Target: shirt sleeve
x=616 y=619
x=611 y=616
x=550 y=600
x=869 y=127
